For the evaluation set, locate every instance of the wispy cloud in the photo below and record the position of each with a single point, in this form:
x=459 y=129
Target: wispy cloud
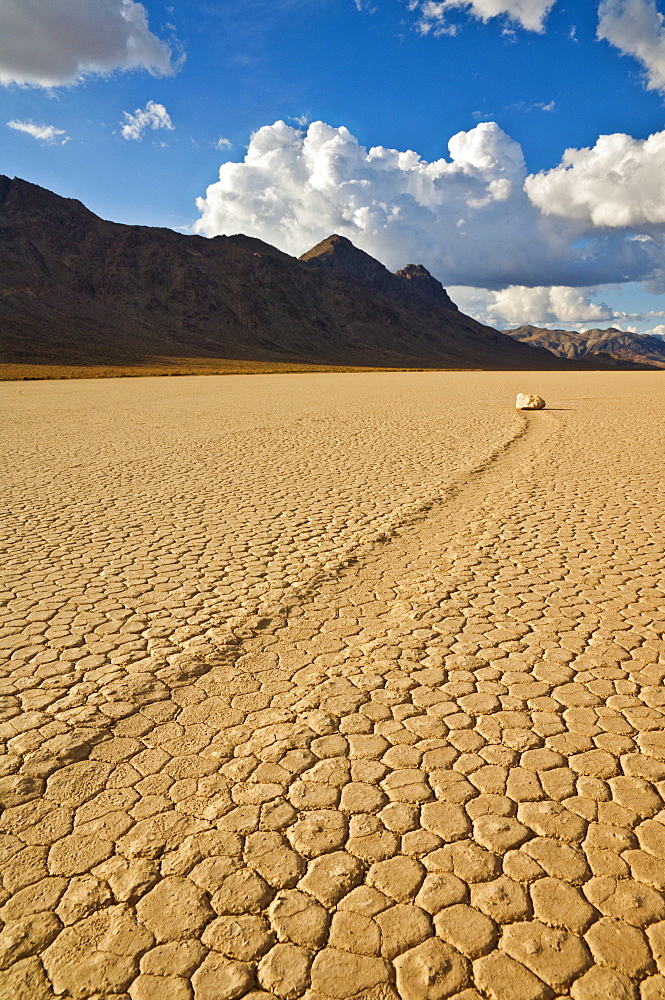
x=537 y=106
x=527 y=14
x=222 y=143
x=153 y=116
x=48 y=134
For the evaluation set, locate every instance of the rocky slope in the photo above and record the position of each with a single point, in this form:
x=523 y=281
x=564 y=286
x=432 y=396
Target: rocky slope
x=632 y=347
x=76 y=290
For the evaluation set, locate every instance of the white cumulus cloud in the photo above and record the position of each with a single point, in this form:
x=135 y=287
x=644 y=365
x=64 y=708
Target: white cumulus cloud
x=636 y=28
x=529 y=14
x=618 y=182
x=48 y=134
x=48 y=43
x=658 y=331
x=153 y=116
x=542 y=305
x=467 y=218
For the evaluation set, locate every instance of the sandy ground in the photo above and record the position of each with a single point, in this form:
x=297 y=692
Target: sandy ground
x=333 y=686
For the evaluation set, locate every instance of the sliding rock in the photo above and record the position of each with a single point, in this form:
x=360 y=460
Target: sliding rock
x=527 y=401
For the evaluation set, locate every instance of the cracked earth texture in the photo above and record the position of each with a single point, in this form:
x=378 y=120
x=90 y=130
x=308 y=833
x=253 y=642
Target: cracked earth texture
x=333 y=686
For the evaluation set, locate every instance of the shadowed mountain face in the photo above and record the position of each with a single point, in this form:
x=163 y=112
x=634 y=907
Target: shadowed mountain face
x=75 y=290
x=623 y=347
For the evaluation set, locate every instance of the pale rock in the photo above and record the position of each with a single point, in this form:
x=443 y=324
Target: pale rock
x=559 y=860
x=277 y=815
x=646 y=868
x=407 y=785
x=211 y=872
x=77 y=783
x=419 y=843
x=129 y=880
x=529 y=401
x=637 y=794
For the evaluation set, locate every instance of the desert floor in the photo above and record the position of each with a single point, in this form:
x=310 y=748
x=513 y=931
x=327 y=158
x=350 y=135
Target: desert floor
x=333 y=686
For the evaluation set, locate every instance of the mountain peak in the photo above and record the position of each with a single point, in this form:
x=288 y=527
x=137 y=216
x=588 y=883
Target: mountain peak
x=414 y=281
x=339 y=253
x=422 y=282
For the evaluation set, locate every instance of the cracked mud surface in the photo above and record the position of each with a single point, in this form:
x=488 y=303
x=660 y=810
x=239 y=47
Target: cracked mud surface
x=333 y=686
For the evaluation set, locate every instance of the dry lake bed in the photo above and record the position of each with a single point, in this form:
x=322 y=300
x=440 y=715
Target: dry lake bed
x=333 y=686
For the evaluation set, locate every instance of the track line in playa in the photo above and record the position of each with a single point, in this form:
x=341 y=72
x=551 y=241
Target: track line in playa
x=434 y=773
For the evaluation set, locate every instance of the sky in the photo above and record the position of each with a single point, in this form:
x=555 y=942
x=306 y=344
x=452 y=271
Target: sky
x=516 y=148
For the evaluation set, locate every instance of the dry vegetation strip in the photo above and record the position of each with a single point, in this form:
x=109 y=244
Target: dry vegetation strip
x=17 y=372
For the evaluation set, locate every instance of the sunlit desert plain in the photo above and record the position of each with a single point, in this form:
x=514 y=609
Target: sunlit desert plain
x=333 y=685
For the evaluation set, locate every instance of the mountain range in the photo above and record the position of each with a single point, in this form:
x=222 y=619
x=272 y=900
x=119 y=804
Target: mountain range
x=633 y=347
x=76 y=290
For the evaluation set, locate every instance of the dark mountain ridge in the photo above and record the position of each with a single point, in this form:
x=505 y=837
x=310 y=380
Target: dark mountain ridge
x=77 y=290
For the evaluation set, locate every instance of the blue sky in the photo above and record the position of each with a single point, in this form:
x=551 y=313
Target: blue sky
x=123 y=106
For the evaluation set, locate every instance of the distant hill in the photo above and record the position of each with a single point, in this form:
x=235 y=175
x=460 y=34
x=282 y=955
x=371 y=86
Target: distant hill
x=76 y=290
x=640 y=349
